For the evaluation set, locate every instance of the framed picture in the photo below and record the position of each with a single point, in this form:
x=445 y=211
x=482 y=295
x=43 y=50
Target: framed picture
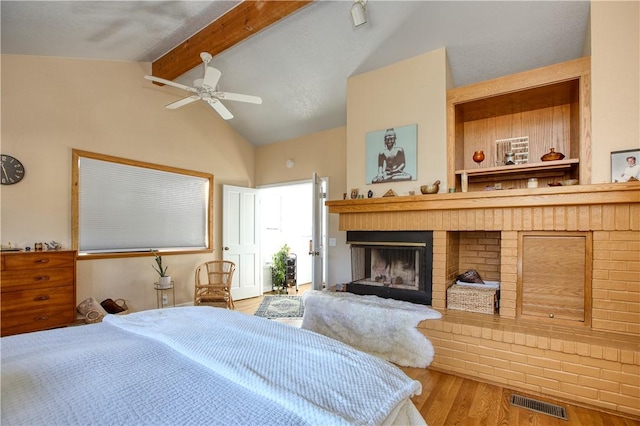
x=625 y=165
x=391 y=154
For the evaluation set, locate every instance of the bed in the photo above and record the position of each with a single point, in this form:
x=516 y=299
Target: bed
x=193 y=366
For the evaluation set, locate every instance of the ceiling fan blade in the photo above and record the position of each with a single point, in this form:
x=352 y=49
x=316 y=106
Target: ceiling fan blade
x=211 y=77
x=239 y=97
x=221 y=109
x=182 y=102
x=170 y=83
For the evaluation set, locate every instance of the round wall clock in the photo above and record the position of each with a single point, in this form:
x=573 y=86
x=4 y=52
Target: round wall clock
x=12 y=170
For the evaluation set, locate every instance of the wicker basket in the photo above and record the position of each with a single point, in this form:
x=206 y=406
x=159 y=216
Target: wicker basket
x=93 y=317
x=472 y=299
x=123 y=305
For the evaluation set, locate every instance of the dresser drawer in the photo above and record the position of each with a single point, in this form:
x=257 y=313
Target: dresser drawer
x=37 y=260
x=35 y=279
x=35 y=320
x=31 y=310
x=60 y=298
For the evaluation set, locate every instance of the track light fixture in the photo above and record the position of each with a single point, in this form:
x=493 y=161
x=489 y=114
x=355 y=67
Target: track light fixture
x=358 y=15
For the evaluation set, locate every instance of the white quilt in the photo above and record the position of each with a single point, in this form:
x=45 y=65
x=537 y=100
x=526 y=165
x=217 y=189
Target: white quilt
x=194 y=365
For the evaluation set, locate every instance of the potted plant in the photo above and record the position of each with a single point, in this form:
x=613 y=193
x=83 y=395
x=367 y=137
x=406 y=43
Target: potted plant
x=165 y=280
x=279 y=269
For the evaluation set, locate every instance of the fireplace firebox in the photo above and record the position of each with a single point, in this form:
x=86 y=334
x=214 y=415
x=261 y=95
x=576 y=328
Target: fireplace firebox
x=392 y=264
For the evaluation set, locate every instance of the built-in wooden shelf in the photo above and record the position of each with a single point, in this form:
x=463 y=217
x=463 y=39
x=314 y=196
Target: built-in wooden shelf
x=521 y=168
x=510 y=177
x=550 y=106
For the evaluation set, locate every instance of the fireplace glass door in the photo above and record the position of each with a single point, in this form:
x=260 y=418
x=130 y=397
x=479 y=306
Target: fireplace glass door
x=392 y=264
x=387 y=266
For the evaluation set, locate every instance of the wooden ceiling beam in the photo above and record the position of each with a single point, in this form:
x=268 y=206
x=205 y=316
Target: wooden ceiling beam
x=240 y=23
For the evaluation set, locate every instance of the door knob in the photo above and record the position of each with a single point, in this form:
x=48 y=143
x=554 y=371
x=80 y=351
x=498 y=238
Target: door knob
x=225 y=248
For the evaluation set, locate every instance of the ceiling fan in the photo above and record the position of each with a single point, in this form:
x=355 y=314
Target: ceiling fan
x=207 y=89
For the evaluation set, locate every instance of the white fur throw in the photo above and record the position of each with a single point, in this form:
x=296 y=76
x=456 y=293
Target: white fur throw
x=382 y=327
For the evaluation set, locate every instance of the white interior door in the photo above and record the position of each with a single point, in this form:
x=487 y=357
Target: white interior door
x=317 y=245
x=241 y=239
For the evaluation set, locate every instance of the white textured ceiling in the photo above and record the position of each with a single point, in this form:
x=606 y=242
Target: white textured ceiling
x=300 y=65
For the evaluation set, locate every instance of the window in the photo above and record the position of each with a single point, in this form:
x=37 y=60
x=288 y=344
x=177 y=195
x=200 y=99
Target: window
x=122 y=207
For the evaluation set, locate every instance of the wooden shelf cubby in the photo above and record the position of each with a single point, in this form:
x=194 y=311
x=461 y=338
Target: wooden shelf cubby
x=549 y=105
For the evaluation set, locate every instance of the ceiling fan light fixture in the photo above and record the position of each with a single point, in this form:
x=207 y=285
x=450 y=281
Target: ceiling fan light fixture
x=358 y=15
x=205 y=89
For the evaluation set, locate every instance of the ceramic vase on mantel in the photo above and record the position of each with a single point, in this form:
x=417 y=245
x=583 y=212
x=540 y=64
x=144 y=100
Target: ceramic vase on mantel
x=164 y=282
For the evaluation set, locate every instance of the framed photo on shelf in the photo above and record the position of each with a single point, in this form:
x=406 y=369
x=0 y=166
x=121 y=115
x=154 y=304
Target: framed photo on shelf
x=391 y=154
x=625 y=165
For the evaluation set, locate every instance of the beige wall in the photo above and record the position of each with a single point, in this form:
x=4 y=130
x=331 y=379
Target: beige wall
x=408 y=92
x=413 y=91
x=52 y=105
x=615 y=70
x=325 y=154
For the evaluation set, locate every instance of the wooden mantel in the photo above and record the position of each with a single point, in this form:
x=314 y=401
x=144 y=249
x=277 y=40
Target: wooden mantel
x=578 y=195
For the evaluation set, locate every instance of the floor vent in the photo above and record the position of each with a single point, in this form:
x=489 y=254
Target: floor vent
x=539 y=406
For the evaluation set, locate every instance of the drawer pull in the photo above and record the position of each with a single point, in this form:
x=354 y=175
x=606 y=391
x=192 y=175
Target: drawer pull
x=42 y=318
x=41 y=297
x=42 y=278
x=41 y=261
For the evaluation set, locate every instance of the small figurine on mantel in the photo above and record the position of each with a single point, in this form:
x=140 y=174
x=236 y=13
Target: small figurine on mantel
x=53 y=245
x=370 y=194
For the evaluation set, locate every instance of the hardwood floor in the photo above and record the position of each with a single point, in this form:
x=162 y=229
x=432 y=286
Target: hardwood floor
x=451 y=400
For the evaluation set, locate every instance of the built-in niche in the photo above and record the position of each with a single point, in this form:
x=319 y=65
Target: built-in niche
x=477 y=250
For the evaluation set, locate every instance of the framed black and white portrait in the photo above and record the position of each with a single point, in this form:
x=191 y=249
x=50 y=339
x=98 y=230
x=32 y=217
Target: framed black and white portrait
x=391 y=154
x=625 y=165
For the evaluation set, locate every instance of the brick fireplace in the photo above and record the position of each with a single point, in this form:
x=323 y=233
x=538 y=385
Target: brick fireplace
x=595 y=362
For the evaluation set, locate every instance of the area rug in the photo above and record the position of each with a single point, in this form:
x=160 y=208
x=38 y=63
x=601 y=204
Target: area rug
x=382 y=327
x=281 y=307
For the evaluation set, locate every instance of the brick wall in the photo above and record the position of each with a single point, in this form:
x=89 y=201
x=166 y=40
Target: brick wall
x=616 y=281
x=509 y=274
x=440 y=272
x=588 y=367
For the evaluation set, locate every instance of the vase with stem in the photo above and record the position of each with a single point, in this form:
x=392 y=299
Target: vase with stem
x=478 y=157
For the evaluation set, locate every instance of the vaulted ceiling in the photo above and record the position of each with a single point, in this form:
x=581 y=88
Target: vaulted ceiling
x=297 y=56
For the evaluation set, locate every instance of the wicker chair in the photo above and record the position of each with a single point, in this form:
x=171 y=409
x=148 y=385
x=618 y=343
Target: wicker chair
x=213 y=284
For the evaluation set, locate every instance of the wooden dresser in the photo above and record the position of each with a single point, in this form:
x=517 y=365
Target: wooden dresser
x=38 y=290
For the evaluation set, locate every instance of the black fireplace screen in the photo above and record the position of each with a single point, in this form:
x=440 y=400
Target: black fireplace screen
x=392 y=264
x=397 y=267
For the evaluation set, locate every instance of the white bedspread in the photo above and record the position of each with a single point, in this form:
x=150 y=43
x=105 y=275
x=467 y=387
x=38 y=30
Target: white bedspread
x=194 y=365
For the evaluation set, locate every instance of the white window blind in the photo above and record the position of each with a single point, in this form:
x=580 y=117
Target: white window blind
x=130 y=208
